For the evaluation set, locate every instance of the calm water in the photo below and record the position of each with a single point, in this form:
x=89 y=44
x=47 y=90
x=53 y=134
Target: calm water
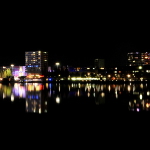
x=71 y=113
x=48 y=98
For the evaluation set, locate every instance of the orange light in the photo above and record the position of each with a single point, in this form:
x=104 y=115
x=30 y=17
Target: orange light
x=41 y=76
x=28 y=76
x=147 y=105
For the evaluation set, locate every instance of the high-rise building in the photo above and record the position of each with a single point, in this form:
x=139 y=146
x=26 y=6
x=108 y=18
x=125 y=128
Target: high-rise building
x=138 y=59
x=99 y=63
x=36 y=62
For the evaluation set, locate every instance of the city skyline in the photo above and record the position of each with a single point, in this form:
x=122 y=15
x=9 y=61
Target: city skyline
x=115 y=59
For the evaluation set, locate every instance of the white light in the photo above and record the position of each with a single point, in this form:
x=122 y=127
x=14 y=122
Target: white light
x=39 y=110
x=4 y=96
x=57 y=63
x=140 y=67
x=12 y=97
x=141 y=96
x=94 y=94
x=57 y=100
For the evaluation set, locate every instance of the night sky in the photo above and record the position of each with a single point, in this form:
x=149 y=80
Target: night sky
x=74 y=34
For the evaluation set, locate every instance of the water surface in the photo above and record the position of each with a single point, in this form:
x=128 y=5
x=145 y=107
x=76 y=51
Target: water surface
x=39 y=98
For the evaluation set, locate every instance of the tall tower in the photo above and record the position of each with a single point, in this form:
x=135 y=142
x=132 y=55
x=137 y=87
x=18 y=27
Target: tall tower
x=99 y=63
x=36 y=62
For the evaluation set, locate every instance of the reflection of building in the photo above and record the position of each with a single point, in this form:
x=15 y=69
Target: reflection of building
x=100 y=98
x=19 y=91
x=15 y=91
x=138 y=58
x=36 y=62
x=139 y=105
x=35 y=100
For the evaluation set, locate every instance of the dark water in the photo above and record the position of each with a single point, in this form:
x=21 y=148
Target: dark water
x=73 y=113
x=76 y=100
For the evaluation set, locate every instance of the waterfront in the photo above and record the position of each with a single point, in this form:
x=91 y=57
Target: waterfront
x=46 y=98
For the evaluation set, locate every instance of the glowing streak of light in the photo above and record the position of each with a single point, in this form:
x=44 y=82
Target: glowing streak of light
x=147 y=105
x=141 y=96
x=109 y=88
x=94 y=94
x=102 y=94
x=12 y=97
x=57 y=100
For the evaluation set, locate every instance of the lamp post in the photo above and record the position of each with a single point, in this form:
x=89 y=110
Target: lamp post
x=57 y=64
x=4 y=68
x=12 y=65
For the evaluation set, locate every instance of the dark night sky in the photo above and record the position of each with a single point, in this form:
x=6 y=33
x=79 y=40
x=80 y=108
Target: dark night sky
x=74 y=34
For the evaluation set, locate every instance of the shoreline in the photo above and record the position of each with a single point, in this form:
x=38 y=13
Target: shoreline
x=66 y=82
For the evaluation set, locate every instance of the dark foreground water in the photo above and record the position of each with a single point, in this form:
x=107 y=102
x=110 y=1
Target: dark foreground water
x=57 y=101
x=73 y=115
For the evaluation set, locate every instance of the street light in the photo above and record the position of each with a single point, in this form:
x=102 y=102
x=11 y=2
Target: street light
x=57 y=64
x=12 y=65
x=4 y=68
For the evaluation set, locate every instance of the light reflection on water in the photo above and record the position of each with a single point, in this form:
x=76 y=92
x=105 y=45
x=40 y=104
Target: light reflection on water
x=40 y=98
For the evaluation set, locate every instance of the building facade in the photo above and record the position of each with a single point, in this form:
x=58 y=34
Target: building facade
x=138 y=59
x=36 y=63
x=99 y=63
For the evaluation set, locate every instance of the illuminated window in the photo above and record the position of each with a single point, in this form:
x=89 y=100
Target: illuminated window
x=140 y=67
x=128 y=75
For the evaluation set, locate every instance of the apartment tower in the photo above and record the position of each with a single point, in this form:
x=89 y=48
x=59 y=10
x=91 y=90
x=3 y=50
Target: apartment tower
x=138 y=58
x=36 y=62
